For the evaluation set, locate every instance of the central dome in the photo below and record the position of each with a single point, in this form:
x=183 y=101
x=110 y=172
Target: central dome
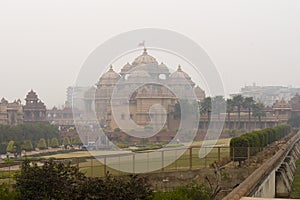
x=144 y=59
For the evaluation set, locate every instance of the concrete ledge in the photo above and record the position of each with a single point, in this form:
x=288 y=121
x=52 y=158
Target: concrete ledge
x=247 y=187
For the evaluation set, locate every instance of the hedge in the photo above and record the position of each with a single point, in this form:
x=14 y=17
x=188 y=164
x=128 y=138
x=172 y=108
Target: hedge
x=256 y=140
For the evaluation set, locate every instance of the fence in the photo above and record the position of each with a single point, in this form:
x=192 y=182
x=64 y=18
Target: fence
x=163 y=161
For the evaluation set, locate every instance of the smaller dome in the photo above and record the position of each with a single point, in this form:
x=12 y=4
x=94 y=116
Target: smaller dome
x=110 y=77
x=126 y=68
x=162 y=65
x=163 y=68
x=144 y=59
x=180 y=75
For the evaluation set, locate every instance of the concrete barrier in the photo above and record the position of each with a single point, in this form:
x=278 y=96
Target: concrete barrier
x=253 y=182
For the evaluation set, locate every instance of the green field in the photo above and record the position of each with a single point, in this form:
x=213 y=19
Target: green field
x=145 y=160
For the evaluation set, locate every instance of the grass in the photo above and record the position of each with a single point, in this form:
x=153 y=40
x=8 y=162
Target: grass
x=296 y=184
x=93 y=167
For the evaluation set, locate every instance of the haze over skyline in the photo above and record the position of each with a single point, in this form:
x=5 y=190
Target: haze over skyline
x=43 y=44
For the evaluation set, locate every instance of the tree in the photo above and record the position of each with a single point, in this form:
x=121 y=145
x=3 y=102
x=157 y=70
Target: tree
x=205 y=107
x=76 y=141
x=294 y=120
x=229 y=110
x=258 y=111
x=66 y=142
x=183 y=108
x=33 y=132
x=218 y=104
x=238 y=102
x=42 y=144
x=27 y=145
x=54 y=143
x=10 y=146
x=248 y=104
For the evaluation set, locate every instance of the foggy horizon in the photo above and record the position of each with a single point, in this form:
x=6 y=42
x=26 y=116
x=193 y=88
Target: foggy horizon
x=44 y=44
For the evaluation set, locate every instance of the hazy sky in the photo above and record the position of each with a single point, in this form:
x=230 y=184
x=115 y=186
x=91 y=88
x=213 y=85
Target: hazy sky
x=44 y=43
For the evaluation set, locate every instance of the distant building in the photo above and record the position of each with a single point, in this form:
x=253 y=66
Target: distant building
x=295 y=103
x=34 y=109
x=268 y=95
x=63 y=117
x=75 y=97
x=11 y=113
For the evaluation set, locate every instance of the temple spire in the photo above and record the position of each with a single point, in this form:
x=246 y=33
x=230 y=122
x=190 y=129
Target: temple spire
x=179 y=68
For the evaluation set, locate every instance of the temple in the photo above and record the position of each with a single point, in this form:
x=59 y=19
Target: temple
x=144 y=68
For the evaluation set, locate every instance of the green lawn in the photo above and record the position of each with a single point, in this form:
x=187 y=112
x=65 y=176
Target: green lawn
x=296 y=184
x=93 y=167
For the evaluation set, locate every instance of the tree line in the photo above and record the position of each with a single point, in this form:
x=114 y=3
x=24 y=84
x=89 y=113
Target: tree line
x=237 y=104
x=216 y=105
x=256 y=140
x=26 y=137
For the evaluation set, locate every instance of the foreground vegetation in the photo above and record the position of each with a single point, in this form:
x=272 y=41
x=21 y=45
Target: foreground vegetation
x=55 y=180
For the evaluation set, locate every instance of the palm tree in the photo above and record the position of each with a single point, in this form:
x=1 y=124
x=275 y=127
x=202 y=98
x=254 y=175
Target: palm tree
x=258 y=111
x=229 y=110
x=218 y=105
x=238 y=102
x=205 y=107
x=248 y=104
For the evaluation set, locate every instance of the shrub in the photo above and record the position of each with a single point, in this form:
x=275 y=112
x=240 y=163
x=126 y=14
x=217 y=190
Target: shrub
x=56 y=180
x=76 y=141
x=27 y=146
x=54 y=143
x=42 y=144
x=6 y=193
x=66 y=141
x=10 y=147
x=256 y=140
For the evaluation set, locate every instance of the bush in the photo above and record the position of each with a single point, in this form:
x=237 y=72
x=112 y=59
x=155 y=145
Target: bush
x=54 y=143
x=76 y=141
x=42 y=144
x=256 y=140
x=27 y=146
x=6 y=193
x=10 y=147
x=55 y=180
x=66 y=142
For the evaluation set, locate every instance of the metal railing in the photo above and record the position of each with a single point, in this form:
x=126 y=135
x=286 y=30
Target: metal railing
x=164 y=161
